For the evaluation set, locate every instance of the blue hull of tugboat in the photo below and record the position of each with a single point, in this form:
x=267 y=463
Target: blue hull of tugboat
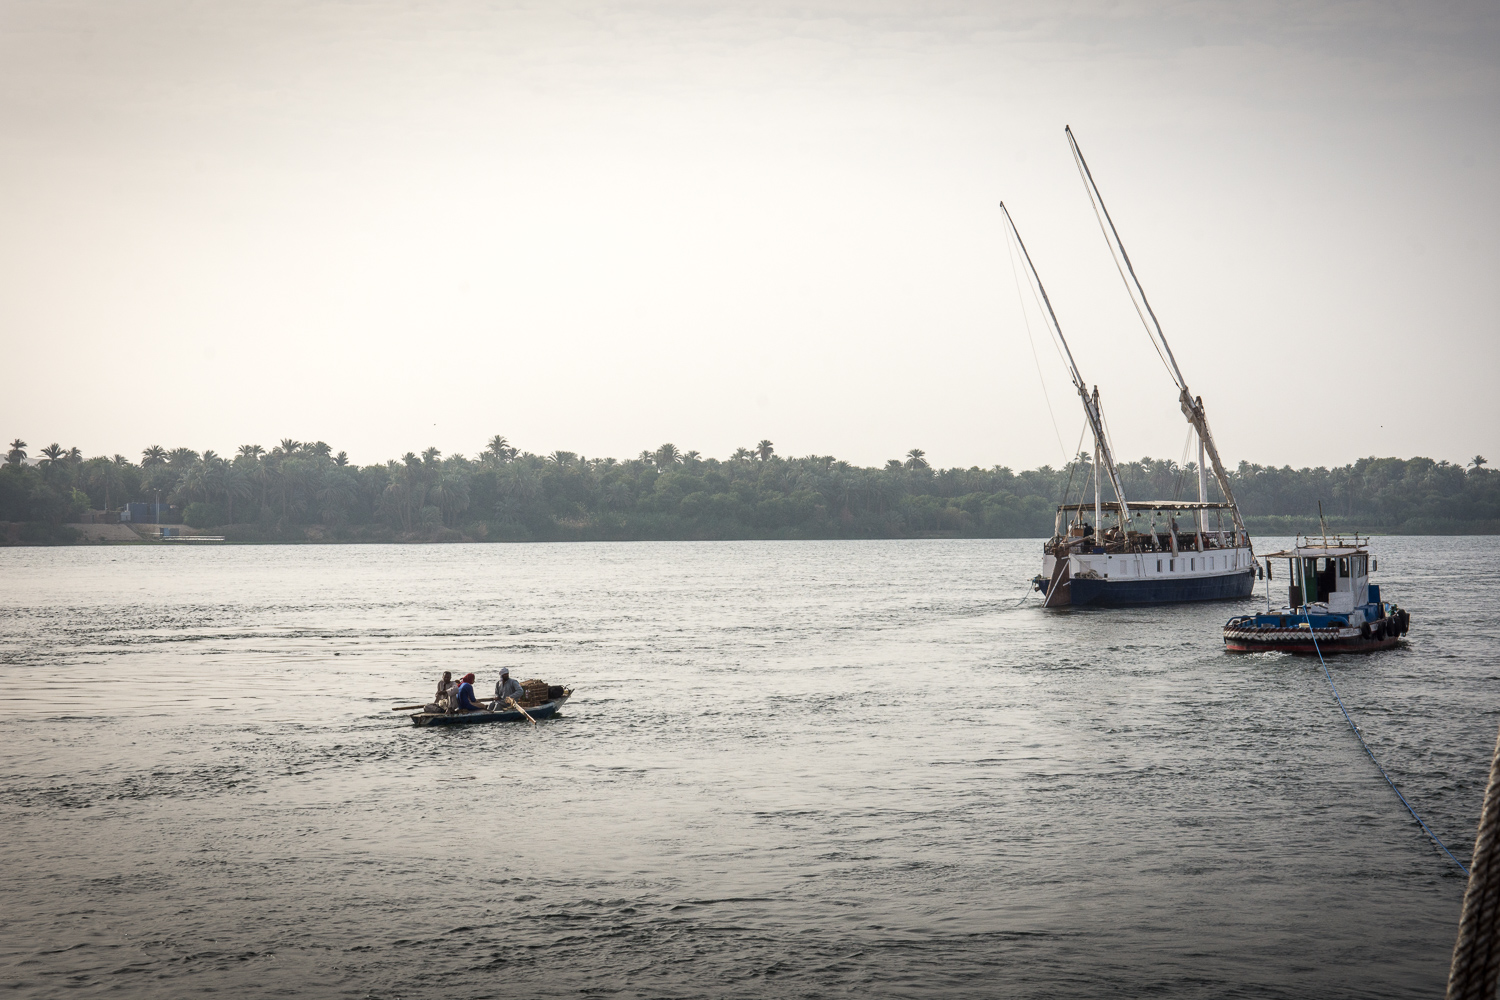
x=1120 y=593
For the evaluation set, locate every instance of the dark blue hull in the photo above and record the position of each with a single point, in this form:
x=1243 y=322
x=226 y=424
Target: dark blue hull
x=545 y=711
x=1166 y=590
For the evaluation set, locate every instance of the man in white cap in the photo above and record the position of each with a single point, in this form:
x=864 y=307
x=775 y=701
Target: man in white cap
x=505 y=688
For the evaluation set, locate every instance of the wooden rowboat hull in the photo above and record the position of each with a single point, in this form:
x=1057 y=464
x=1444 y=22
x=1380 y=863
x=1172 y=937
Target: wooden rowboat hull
x=543 y=711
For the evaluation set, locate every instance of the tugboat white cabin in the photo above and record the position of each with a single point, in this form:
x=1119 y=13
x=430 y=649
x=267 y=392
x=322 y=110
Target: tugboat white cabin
x=1331 y=606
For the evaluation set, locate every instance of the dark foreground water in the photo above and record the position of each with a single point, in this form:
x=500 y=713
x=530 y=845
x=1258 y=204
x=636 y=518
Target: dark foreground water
x=791 y=769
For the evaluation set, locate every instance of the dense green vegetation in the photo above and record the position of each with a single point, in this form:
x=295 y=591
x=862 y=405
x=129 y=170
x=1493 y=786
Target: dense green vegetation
x=304 y=491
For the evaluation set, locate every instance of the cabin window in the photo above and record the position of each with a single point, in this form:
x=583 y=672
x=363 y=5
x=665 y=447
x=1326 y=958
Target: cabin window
x=1158 y=565
x=1344 y=567
x=1172 y=565
x=1193 y=564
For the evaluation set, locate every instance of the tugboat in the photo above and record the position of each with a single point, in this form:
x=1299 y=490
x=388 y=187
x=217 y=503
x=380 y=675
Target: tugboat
x=1140 y=560
x=1332 y=607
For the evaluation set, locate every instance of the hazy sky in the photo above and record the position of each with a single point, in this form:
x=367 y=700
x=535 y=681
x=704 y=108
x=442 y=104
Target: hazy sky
x=598 y=227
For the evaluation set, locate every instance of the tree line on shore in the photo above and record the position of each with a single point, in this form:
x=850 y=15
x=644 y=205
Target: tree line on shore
x=299 y=490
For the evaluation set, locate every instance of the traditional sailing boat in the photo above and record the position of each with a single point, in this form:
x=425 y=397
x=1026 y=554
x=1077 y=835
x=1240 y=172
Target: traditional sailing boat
x=1138 y=561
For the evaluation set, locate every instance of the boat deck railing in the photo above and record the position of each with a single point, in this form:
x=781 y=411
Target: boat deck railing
x=1144 y=542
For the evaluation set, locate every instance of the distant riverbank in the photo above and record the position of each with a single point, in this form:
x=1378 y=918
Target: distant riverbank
x=300 y=492
x=41 y=533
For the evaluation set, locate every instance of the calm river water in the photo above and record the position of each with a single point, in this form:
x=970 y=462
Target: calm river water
x=790 y=769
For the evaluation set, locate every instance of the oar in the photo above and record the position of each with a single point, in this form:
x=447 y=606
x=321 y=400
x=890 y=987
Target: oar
x=523 y=711
x=406 y=708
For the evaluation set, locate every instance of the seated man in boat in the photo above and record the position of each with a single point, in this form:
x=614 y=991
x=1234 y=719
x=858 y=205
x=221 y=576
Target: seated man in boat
x=464 y=700
x=444 y=697
x=507 y=687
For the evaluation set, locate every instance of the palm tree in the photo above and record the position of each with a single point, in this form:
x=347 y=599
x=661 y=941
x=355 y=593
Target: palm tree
x=153 y=456
x=103 y=472
x=765 y=450
x=894 y=465
x=497 y=449
x=741 y=455
x=17 y=453
x=121 y=460
x=451 y=494
x=181 y=457
x=341 y=459
x=337 y=493
x=234 y=483
x=562 y=458
x=289 y=446
x=52 y=454
x=74 y=456
x=916 y=460
x=398 y=494
x=691 y=458
x=292 y=480
x=617 y=495
x=666 y=456
x=249 y=459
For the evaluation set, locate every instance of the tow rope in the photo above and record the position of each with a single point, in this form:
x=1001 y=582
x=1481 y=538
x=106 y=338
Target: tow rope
x=1360 y=736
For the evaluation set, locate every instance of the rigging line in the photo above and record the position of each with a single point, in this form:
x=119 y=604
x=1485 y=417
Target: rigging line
x=1073 y=462
x=1055 y=327
x=1109 y=439
x=1094 y=193
x=1360 y=736
x=1182 y=465
x=1051 y=336
x=1021 y=300
x=1128 y=290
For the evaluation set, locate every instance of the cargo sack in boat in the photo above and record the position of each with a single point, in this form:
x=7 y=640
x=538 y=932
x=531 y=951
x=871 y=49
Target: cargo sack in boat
x=554 y=691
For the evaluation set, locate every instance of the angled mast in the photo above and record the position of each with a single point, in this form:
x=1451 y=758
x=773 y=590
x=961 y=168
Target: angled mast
x=1192 y=406
x=1090 y=403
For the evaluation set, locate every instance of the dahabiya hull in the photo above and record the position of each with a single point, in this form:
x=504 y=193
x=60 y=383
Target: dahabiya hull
x=1151 y=563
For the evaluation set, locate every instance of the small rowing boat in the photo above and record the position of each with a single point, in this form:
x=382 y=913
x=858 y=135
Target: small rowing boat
x=545 y=710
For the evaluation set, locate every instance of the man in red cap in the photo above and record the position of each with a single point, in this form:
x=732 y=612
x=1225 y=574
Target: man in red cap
x=465 y=699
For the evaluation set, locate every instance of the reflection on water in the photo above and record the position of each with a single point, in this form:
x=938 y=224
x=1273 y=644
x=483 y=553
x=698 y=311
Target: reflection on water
x=820 y=768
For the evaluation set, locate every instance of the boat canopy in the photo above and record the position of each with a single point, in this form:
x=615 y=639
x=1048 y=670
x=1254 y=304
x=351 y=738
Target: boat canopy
x=1151 y=505
x=1340 y=546
x=1318 y=552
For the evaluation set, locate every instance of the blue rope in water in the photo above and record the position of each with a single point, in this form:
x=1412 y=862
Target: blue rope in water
x=1360 y=736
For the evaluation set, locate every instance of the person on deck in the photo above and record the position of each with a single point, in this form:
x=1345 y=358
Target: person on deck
x=507 y=687
x=464 y=700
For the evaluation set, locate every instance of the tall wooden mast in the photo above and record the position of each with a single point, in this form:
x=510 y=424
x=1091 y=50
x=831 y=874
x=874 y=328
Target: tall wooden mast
x=1192 y=406
x=1090 y=403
